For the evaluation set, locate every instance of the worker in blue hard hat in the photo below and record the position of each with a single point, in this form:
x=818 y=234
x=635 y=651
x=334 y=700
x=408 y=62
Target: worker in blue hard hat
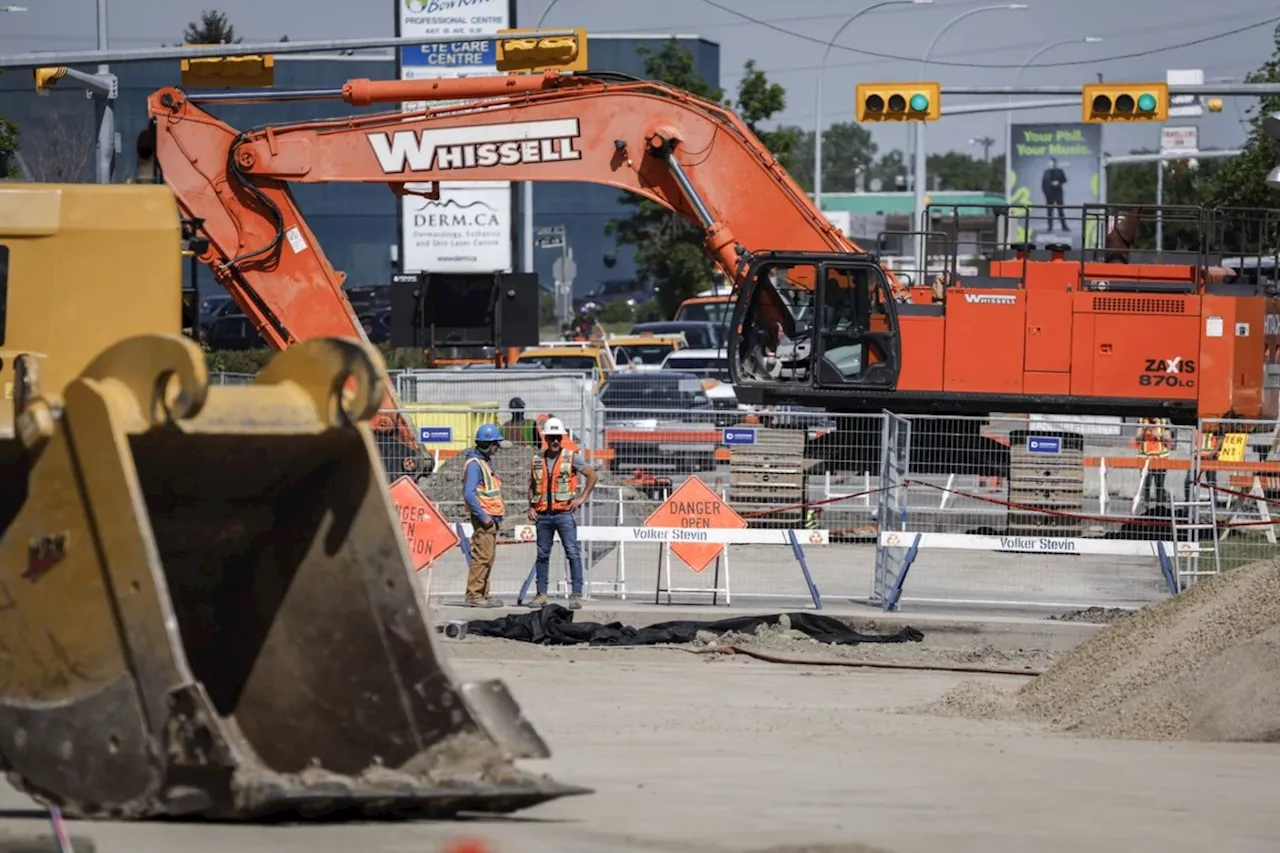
x=482 y=492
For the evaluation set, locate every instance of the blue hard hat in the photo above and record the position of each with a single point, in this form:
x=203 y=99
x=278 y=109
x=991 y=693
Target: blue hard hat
x=488 y=432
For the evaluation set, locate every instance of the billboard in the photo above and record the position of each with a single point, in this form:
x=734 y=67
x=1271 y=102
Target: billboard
x=469 y=228
x=1052 y=167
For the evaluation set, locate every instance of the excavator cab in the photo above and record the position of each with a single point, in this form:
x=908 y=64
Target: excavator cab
x=809 y=324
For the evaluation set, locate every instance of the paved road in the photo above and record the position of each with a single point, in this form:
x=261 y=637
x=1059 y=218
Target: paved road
x=719 y=757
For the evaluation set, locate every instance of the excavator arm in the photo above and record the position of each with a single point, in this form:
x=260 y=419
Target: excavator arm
x=688 y=154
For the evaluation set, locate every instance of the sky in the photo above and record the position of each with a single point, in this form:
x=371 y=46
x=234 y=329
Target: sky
x=755 y=29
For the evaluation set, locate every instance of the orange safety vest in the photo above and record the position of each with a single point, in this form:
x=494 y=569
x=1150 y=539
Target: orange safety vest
x=489 y=492
x=1154 y=442
x=564 y=482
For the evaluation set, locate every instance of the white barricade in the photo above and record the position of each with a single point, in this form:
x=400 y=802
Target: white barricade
x=797 y=539
x=1160 y=551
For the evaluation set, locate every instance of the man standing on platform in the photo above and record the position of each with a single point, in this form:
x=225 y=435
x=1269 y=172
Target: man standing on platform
x=554 y=480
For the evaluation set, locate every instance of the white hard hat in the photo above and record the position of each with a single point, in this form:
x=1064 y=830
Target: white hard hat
x=554 y=426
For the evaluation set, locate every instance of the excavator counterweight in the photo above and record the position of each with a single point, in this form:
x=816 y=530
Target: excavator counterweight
x=207 y=607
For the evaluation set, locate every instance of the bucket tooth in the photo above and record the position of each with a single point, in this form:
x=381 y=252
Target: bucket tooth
x=207 y=606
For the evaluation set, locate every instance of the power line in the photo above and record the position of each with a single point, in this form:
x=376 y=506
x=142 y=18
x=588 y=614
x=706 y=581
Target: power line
x=932 y=61
x=1007 y=48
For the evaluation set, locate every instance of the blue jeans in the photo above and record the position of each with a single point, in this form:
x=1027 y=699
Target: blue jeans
x=548 y=523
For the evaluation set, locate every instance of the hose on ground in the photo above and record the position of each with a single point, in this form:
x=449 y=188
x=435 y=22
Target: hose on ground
x=804 y=660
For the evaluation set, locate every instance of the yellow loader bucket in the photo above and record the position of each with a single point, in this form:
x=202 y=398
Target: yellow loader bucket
x=207 y=606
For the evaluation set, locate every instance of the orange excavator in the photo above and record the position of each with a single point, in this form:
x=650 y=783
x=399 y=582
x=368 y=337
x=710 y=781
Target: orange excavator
x=817 y=321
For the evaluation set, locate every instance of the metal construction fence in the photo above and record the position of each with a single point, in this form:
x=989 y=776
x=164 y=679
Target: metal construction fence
x=1007 y=510
x=1003 y=510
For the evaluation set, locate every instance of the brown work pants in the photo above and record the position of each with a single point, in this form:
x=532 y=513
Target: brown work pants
x=484 y=545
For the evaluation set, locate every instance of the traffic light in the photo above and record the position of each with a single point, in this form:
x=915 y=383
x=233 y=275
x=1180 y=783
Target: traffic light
x=225 y=72
x=1110 y=102
x=46 y=77
x=899 y=101
x=525 y=50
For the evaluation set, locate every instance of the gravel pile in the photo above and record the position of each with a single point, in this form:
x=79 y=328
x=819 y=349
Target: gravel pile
x=1094 y=615
x=444 y=488
x=1202 y=666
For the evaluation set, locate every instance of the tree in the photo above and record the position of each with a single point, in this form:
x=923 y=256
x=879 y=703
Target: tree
x=1241 y=182
x=63 y=149
x=8 y=144
x=847 y=155
x=669 y=249
x=956 y=170
x=891 y=170
x=213 y=28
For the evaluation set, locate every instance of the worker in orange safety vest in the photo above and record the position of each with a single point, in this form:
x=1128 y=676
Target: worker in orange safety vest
x=1155 y=442
x=555 y=478
x=482 y=493
x=1210 y=446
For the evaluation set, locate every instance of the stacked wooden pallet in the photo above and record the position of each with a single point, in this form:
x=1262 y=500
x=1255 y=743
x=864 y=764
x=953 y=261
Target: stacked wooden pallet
x=1046 y=473
x=769 y=474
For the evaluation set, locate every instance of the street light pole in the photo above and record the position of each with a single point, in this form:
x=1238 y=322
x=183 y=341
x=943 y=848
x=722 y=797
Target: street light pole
x=105 y=108
x=922 y=243
x=817 y=113
x=1008 y=116
x=526 y=191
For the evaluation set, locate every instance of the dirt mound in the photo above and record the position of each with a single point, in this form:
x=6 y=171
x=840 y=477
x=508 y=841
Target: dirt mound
x=444 y=488
x=1151 y=674
x=1202 y=666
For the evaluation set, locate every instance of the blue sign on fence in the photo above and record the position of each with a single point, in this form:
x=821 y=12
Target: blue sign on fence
x=1044 y=444
x=435 y=435
x=738 y=436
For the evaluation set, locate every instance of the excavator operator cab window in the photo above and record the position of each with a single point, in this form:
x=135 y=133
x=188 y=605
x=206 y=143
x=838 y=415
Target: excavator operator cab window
x=825 y=321
x=777 y=327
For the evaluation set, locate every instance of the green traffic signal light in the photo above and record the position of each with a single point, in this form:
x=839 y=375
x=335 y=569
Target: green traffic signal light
x=1146 y=102
x=919 y=102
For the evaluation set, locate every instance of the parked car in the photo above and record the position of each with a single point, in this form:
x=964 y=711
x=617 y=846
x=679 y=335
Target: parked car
x=698 y=335
x=658 y=420
x=712 y=365
x=234 y=332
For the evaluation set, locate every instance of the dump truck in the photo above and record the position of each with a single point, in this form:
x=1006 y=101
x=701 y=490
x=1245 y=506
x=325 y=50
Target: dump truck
x=207 y=606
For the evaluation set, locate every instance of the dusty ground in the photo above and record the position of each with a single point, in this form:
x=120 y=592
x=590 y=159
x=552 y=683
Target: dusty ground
x=706 y=754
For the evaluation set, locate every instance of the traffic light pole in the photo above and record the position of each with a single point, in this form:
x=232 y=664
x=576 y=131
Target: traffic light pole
x=1219 y=89
x=213 y=51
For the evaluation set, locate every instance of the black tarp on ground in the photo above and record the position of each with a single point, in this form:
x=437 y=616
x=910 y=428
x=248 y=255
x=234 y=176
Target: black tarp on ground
x=553 y=625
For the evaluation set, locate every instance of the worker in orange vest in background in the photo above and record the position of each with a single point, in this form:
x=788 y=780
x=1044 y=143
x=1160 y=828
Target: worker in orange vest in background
x=1154 y=442
x=1210 y=446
